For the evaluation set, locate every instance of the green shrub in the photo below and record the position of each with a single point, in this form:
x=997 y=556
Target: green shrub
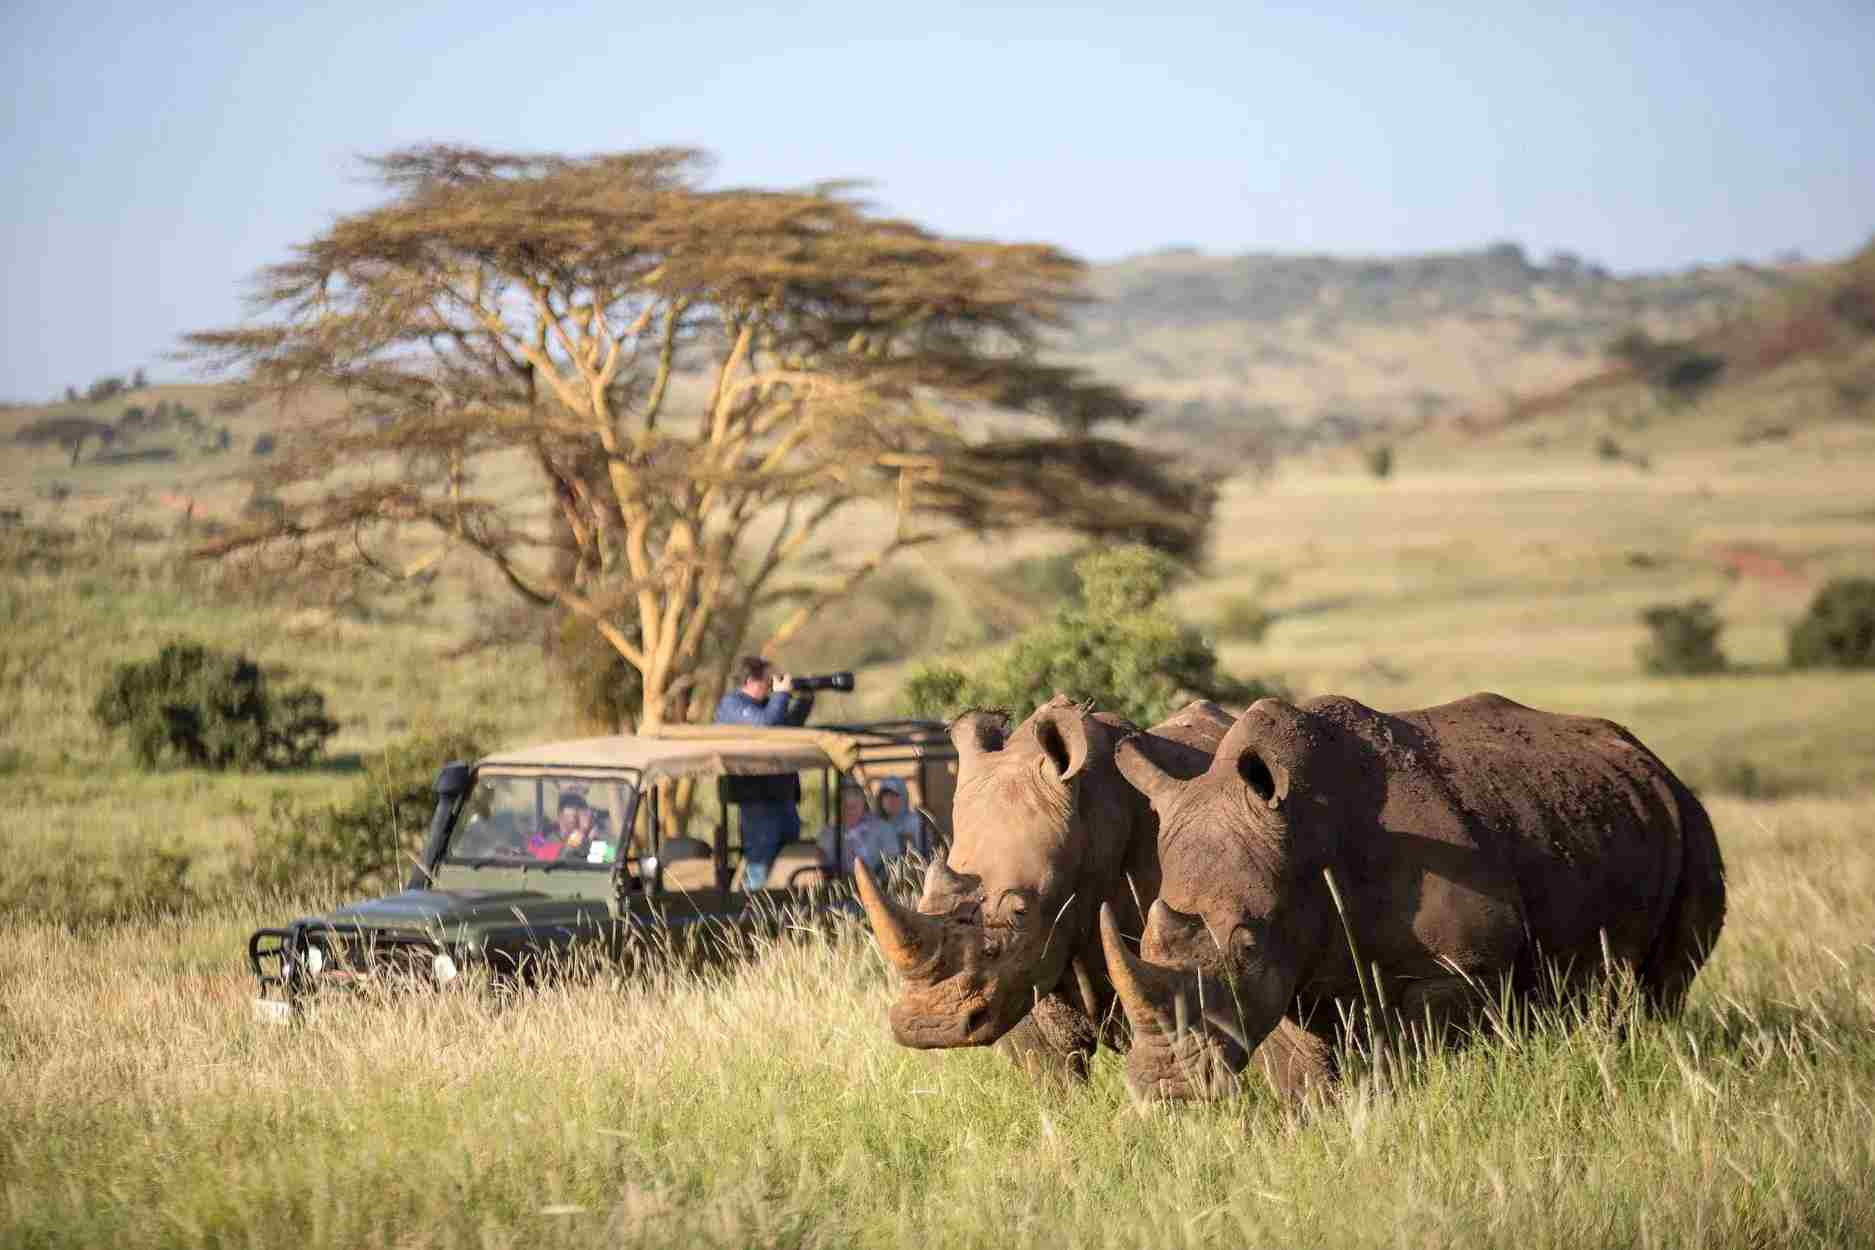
x=372 y=836
x=212 y=709
x=1743 y=779
x=65 y=886
x=1678 y=372
x=1379 y=460
x=1120 y=647
x=1120 y=581
x=265 y=507
x=1242 y=617
x=1683 y=638
x=1839 y=629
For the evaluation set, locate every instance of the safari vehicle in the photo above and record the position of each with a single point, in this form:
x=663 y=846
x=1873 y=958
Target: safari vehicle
x=493 y=888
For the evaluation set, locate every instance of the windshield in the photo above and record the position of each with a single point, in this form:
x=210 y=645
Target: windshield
x=571 y=822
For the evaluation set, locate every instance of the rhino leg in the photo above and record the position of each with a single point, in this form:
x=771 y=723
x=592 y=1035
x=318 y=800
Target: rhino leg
x=1296 y=1060
x=1055 y=1041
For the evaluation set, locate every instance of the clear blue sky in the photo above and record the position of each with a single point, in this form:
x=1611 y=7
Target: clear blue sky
x=159 y=153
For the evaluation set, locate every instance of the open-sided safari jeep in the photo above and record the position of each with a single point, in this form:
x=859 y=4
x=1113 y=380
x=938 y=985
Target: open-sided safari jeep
x=492 y=887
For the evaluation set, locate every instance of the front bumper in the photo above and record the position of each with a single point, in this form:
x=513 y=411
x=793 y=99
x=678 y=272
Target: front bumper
x=308 y=956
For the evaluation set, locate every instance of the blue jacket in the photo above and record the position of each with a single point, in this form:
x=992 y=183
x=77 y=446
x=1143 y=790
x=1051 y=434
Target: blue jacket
x=737 y=708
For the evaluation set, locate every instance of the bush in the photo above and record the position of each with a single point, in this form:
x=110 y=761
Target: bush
x=1242 y=617
x=104 y=388
x=63 y=885
x=371 y=838
x=1123 y=649
x=1124 y=580
x=1050 y=578
x=1839 y=629
x=1678 y=372
x=1742 y=779
x=264 y=507
x=1379 y=460
x=1684 y=638
x=212 y=709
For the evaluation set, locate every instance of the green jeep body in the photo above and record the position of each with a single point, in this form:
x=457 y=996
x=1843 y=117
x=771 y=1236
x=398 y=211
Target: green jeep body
x=477 y=897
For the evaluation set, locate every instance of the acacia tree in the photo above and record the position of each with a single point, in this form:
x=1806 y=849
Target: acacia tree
x=705 y=379
x=71 y=433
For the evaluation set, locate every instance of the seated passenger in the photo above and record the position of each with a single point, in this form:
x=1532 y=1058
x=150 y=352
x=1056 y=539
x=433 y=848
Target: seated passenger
x=564 y=837
x=860 y=835
x=592 y=839
x=895 y=811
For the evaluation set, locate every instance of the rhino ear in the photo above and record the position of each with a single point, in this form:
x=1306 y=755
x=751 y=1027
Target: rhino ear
x=977 y=731
x=1261 y=749
x=1142 y=772
x=1062 y=734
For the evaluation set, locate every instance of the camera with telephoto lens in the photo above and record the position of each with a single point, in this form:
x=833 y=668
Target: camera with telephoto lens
x=824 y=681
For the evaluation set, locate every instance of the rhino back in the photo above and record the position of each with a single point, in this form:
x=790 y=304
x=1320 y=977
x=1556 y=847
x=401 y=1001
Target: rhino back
x=1199 y=725
x=1585 y=818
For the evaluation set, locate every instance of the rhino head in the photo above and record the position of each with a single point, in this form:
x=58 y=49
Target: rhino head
x=1242 y=911
x=1013 y=900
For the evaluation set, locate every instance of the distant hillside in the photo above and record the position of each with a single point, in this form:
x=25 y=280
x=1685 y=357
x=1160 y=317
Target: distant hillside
x=1256 y=354
x=1295 y=349
x=1819 y=324
x=1783 y=391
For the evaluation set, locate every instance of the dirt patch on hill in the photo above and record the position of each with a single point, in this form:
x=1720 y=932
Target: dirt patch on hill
x=1757 y=562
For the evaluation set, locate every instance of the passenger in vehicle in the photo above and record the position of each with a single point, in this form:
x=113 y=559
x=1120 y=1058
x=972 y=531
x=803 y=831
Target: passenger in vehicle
x=564 y=836
x=896 y=813
x=593 y=833
x=859 y=835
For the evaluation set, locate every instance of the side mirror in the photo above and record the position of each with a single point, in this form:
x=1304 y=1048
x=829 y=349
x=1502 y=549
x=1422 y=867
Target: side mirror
x=647 y=867
x=453 y=779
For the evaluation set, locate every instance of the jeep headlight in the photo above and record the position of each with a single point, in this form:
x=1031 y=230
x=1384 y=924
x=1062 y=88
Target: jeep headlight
x=315 y=959
x=445 y=968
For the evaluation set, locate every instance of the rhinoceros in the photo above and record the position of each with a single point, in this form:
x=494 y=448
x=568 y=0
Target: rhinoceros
x=1470 y=844
x=1003 y=944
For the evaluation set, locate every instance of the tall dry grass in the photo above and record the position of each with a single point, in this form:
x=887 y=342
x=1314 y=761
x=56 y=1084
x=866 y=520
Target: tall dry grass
x=765 y=1104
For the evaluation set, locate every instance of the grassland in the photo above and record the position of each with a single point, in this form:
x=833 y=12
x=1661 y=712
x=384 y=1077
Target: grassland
x=768 y=1107
x=765 y=1104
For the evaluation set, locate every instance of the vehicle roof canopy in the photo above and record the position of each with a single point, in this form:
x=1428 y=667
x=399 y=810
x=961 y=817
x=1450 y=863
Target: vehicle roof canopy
x=724 y=750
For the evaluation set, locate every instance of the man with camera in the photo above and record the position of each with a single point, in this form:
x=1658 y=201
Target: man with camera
x=770 y=817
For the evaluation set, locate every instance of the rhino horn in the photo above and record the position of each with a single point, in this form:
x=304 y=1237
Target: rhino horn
x=1148 y=992
x=910 y=941
x=1142 y=772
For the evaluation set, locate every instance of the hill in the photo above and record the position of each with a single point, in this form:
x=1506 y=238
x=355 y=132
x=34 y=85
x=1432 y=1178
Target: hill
x=1517 y=554
x=1289 y=350
x=1295 y=348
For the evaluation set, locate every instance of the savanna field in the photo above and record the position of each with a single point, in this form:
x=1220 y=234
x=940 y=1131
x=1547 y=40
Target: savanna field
x=765 y=1103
